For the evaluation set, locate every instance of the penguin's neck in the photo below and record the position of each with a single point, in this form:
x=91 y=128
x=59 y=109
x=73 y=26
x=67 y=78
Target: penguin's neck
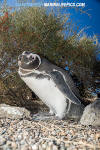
x=23 y=71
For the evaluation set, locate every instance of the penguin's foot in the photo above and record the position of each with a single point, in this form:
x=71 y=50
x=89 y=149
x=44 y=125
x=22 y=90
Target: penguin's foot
x=58 y=117
x=51 y=112
x=42 y=116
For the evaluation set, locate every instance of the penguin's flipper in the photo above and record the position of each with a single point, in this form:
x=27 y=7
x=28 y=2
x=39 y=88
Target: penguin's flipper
x=63 y=86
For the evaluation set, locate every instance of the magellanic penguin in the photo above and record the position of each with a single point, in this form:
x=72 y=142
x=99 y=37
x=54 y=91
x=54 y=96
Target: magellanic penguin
x=50 y=83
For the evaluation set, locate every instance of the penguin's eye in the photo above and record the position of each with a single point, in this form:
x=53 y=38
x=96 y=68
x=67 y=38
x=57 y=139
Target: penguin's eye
x=31 y=58
x=20 y=57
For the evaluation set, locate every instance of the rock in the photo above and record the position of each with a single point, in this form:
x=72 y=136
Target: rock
x=91 y=114
x=12 y=112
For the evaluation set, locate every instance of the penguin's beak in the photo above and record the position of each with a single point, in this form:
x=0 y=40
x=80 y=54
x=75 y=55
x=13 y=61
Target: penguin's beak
x=19 y=60
x=19 y=57
x=26 y=53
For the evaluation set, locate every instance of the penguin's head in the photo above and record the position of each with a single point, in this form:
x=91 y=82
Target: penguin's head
x=29 y=61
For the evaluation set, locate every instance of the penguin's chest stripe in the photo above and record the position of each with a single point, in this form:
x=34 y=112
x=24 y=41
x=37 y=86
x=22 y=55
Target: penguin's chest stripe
x=44 y=88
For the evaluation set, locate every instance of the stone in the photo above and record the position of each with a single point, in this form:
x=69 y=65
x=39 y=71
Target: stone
x=12 y=112
x=91 y=114
x=20 y=137
x=2 y=141
x=11 y=145
x=25 y=147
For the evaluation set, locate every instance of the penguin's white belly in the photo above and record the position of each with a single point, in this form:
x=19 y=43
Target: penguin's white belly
x=48 y=92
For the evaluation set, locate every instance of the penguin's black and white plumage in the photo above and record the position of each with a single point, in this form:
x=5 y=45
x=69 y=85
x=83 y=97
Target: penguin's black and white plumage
x=50 y=83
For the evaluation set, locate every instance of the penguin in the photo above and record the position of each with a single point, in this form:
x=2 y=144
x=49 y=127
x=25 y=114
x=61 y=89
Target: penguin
x=52 y=84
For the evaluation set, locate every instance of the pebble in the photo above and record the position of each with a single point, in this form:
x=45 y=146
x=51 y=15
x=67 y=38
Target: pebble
x=22 y=142
x=2 y=141
x=44 y=146
x=20 y=137
x=54 y=147
x=25 y=147
x=35 y=147
x=3 y=132
x=14 y=145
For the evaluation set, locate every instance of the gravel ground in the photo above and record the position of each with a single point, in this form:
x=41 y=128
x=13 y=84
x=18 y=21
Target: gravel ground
x=47 y=135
